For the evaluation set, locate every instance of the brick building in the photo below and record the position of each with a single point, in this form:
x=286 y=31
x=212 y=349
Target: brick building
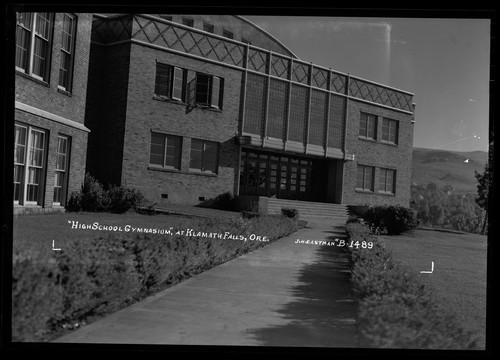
x=51 y=64
x=185 y=108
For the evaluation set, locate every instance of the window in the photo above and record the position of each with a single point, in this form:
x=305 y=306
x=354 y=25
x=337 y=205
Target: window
x=61 y=172
x=169 y=81
x=364 y=180
x=188 y=21
x=204 y=156
x=165 y=151
x=368 y=126
x=209 y=90
x=29 y=164
x=67 y=52
x=243 y=40
x=208 y=27
x=387 y=178
x=166 y=17
x=390 y=130
x=33 y=44
x=227 y=33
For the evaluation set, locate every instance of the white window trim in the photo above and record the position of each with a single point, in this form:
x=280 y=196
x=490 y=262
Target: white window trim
x=27 y=166
x=33 y=34
x=66 y=165
x=71 y=54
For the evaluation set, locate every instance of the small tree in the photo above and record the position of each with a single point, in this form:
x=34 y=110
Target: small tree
x=485 y=180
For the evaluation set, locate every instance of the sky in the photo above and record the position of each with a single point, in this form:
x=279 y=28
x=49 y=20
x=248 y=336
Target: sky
x=444 y=62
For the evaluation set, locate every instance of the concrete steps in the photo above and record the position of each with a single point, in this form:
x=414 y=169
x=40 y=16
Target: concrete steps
x=308 y=209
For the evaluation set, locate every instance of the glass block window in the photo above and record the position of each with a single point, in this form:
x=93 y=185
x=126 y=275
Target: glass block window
x=278 y=106
x=298 y=113
x=255 y=98
x=336 y=123
x=317 y=122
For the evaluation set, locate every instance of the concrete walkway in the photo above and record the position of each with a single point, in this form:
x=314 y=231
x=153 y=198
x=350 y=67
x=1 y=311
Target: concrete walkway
x=284 y=294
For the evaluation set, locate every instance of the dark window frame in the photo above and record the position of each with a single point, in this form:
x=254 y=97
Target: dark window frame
x=68 y=84
x=391 y=124
x=165 y=147
x=385 y=183
x=364 y=180
x=173 y=75
x=365 y=126
x=209 y=98
x=204 y=166
x=26 y=64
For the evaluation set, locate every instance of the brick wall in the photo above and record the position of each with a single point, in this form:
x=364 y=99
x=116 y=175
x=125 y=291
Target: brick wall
x=76 y=171
x=145 y=114
x=46 y=95
x=378 y=154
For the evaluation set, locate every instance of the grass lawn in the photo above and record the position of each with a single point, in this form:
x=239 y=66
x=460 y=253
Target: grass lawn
x=34 y=233
x=459 y=277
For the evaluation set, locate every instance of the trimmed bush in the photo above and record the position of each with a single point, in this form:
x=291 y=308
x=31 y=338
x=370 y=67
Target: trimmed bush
x=396 y=310
x=122 y=199
x=224 y=201
x=290 y=212
x=92 y=277
x=392 y=219
x=94 y=198
x=74 y=202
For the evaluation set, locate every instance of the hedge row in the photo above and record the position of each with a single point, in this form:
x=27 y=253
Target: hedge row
x=396 y=310
x=100 y=275
x=393 y=220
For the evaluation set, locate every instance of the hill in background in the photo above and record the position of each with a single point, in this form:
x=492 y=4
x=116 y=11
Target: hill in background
x=444 y=167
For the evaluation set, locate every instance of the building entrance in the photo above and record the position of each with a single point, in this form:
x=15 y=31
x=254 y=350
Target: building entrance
x=282 y=176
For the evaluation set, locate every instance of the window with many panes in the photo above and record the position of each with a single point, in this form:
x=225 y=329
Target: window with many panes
x=368 y=126
x=67 y=52
x=61 y=171
x=364 y=180
x=209 y=90
x=390 y=130
x=29 y=164
x=34 y=44
x=165 y=151
x=204 y=156
x=169 y=81
x=386 y=181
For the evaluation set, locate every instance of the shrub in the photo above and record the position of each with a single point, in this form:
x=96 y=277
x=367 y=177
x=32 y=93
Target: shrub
x=92 y=196
x=122 y=199
x=92 y=277
x=250 y=214
x=396 y=310
x=290 y=212
x=224 y=201
x=393 y=219
x=75 y=202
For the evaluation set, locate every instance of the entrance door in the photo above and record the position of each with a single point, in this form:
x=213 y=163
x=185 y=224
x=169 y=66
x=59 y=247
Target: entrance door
x=286 y=177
